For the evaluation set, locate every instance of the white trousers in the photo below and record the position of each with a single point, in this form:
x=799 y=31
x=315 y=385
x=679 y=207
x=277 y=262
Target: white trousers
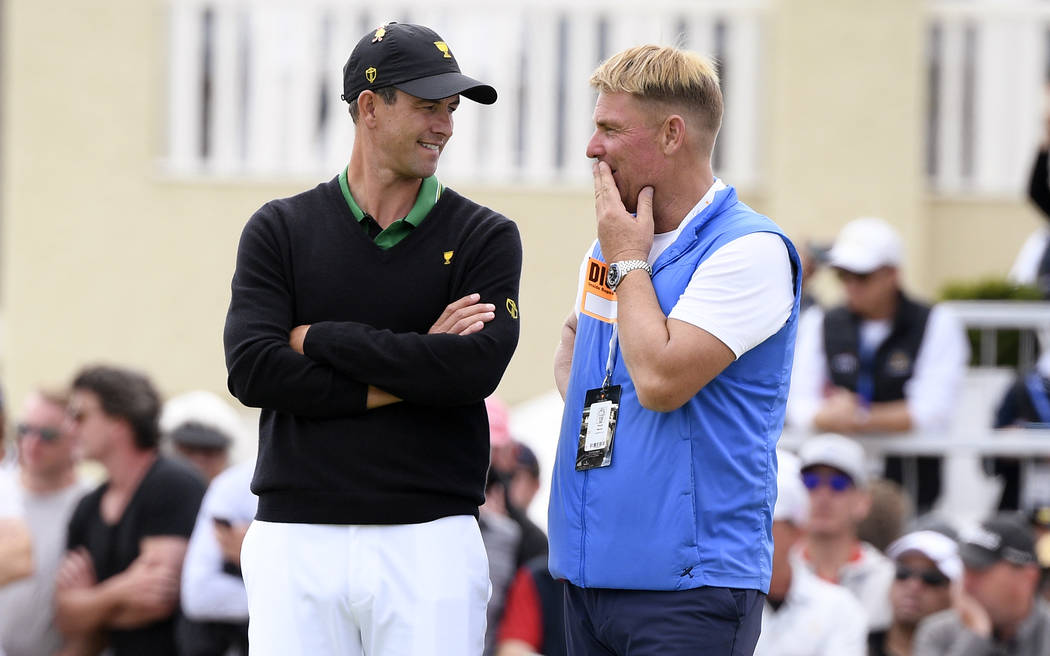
x=401 y=590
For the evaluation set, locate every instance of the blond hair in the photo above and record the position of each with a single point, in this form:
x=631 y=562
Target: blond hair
x=665 y=74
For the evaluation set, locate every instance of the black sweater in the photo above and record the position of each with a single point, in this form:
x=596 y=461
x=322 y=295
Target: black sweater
x=324 y=458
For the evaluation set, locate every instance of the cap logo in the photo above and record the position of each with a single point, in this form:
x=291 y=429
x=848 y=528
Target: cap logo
x=1016 y=556
x=983 y=538
x=443 y=47
x=370 y=74
x=448 y=256
x=380 y=33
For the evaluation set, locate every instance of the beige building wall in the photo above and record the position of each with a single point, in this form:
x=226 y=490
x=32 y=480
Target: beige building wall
x=107 y=258
x=845 y=116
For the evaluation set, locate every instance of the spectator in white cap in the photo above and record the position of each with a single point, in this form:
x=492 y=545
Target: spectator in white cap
x=202 y=429
x=834 y=470
x=880 y=363
x=927 y=564
x=803 y=615
x=997 y=611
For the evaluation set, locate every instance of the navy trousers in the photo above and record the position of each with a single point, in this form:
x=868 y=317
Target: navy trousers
x=709 y=621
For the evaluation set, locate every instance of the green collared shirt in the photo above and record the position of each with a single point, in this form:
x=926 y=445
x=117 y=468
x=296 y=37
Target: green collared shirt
x=429 y=192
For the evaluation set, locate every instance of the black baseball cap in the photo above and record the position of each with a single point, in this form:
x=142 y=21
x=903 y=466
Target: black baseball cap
x=411 y=58
x=1005 y=536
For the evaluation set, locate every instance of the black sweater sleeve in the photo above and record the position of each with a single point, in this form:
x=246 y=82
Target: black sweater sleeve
x=437 y=370
x=1039 y=184
x=264 y=371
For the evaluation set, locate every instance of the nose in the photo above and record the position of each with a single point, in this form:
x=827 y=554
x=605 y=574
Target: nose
x=594 y=146
x=443 y=124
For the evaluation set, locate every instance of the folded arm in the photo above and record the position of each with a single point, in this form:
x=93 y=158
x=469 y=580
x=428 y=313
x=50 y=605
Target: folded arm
x=263 y=370
x=462 y=364
x=144 y=593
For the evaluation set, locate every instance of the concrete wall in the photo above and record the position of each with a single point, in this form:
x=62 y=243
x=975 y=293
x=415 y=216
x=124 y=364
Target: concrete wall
x=106 y=258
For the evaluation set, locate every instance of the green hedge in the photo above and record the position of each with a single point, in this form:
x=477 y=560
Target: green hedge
x=993 y=289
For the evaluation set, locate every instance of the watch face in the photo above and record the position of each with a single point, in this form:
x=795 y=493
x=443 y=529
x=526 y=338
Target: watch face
x=613 y=277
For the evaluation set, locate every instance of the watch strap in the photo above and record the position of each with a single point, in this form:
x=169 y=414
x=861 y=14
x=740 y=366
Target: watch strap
x=626 y=266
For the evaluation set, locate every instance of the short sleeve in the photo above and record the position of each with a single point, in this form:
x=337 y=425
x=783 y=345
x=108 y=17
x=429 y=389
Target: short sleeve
x=742 y=294
x=174 y=497
x=10 y=499
x=940 y=366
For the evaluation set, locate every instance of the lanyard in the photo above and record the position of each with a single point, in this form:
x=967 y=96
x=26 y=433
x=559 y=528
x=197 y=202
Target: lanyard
x=610 y=361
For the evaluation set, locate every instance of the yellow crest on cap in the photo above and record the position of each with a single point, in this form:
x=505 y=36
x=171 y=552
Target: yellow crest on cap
x=370 y=74
x=443 y=47
x=380 y=33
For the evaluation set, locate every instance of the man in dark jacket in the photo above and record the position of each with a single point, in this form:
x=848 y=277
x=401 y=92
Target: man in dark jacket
x=882 y=362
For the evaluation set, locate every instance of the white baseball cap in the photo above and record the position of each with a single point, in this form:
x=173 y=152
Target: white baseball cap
x=836 y=451
x=939 y=548
x=864 y=245
x=792 y=499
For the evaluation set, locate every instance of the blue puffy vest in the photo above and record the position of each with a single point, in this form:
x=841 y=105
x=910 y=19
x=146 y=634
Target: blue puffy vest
x=688 y=499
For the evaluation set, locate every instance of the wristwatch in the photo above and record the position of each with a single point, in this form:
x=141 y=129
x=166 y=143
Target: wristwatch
x=617 y=271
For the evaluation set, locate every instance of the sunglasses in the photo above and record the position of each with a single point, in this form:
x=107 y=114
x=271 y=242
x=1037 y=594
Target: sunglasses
x=45 y=434
x=848 y=276
x=837 y=482
x=929 y=577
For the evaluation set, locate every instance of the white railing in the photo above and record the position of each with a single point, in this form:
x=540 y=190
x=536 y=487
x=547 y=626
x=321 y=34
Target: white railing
x=1032 y=318
x=987 y=70
x=255 y=84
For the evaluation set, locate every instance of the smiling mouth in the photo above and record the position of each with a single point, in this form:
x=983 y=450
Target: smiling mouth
x=434 y=147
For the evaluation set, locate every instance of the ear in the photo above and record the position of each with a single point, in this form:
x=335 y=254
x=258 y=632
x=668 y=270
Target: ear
x=1032 y=574
x=672 y=134
x=366 y=108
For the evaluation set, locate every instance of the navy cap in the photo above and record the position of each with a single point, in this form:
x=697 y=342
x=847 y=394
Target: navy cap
x=411 y=58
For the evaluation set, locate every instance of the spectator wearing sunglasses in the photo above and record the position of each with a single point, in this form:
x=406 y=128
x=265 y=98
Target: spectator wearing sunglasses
x=803 y=615
x=997 y=612
x=835 y=472
x=47 y=489
x=882 y=362
x=927 y=564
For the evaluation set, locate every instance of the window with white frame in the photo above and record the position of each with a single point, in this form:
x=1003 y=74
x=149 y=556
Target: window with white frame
x=255 y=85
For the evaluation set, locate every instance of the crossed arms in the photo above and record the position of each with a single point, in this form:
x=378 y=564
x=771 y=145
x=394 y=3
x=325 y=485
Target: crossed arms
x=337 y=369
x=146 y=592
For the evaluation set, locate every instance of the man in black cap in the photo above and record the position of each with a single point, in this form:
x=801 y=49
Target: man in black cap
x=370 y=317
x=998 y=611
